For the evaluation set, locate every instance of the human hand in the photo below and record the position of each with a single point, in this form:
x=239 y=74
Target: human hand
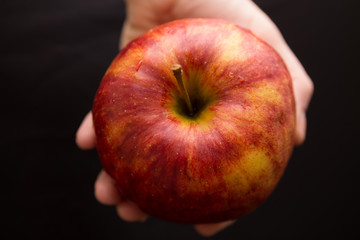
x=143 y=15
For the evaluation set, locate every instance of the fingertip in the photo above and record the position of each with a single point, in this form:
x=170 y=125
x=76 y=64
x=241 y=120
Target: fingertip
x=300 y=132
x=208 y=230
x=105 y=190
x=130 y=212
x=85 y=135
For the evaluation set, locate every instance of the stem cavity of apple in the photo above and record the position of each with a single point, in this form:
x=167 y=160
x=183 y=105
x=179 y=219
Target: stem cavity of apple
x=177 y=70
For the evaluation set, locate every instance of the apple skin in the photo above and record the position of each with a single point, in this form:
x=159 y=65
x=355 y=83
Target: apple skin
x=222 y=163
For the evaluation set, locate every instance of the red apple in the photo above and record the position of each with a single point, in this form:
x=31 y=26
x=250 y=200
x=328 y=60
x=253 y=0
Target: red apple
x=195 y=121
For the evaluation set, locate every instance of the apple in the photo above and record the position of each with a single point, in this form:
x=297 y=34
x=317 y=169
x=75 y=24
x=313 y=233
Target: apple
x=195 y=121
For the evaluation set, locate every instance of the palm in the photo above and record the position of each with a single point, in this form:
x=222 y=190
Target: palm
x=143 y=15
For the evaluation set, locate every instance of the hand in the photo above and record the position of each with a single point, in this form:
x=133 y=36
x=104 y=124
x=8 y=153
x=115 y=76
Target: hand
x=143 y=15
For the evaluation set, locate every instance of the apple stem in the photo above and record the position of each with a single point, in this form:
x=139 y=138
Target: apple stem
x=176 y=68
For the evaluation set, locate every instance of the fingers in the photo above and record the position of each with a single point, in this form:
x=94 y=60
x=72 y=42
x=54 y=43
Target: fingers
x=300 y=131
x=85 y=136
x=256 y=20
x=105 y=190
x=303 y=91
x=208 y=230
x=130 y=212
x=106 y=193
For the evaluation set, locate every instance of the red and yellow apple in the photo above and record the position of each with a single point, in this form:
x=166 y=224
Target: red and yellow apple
x=195 y=121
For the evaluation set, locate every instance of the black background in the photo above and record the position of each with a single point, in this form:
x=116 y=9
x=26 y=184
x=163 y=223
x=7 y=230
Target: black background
x=53 y=55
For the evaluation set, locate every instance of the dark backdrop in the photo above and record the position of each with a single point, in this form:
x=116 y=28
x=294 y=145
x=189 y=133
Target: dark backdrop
x=53 y=55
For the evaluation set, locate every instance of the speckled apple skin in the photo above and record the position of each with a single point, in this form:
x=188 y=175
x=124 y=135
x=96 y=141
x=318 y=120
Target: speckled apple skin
x=225 y=162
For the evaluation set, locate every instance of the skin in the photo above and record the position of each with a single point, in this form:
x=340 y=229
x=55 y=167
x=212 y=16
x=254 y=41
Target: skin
x=143 y=15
